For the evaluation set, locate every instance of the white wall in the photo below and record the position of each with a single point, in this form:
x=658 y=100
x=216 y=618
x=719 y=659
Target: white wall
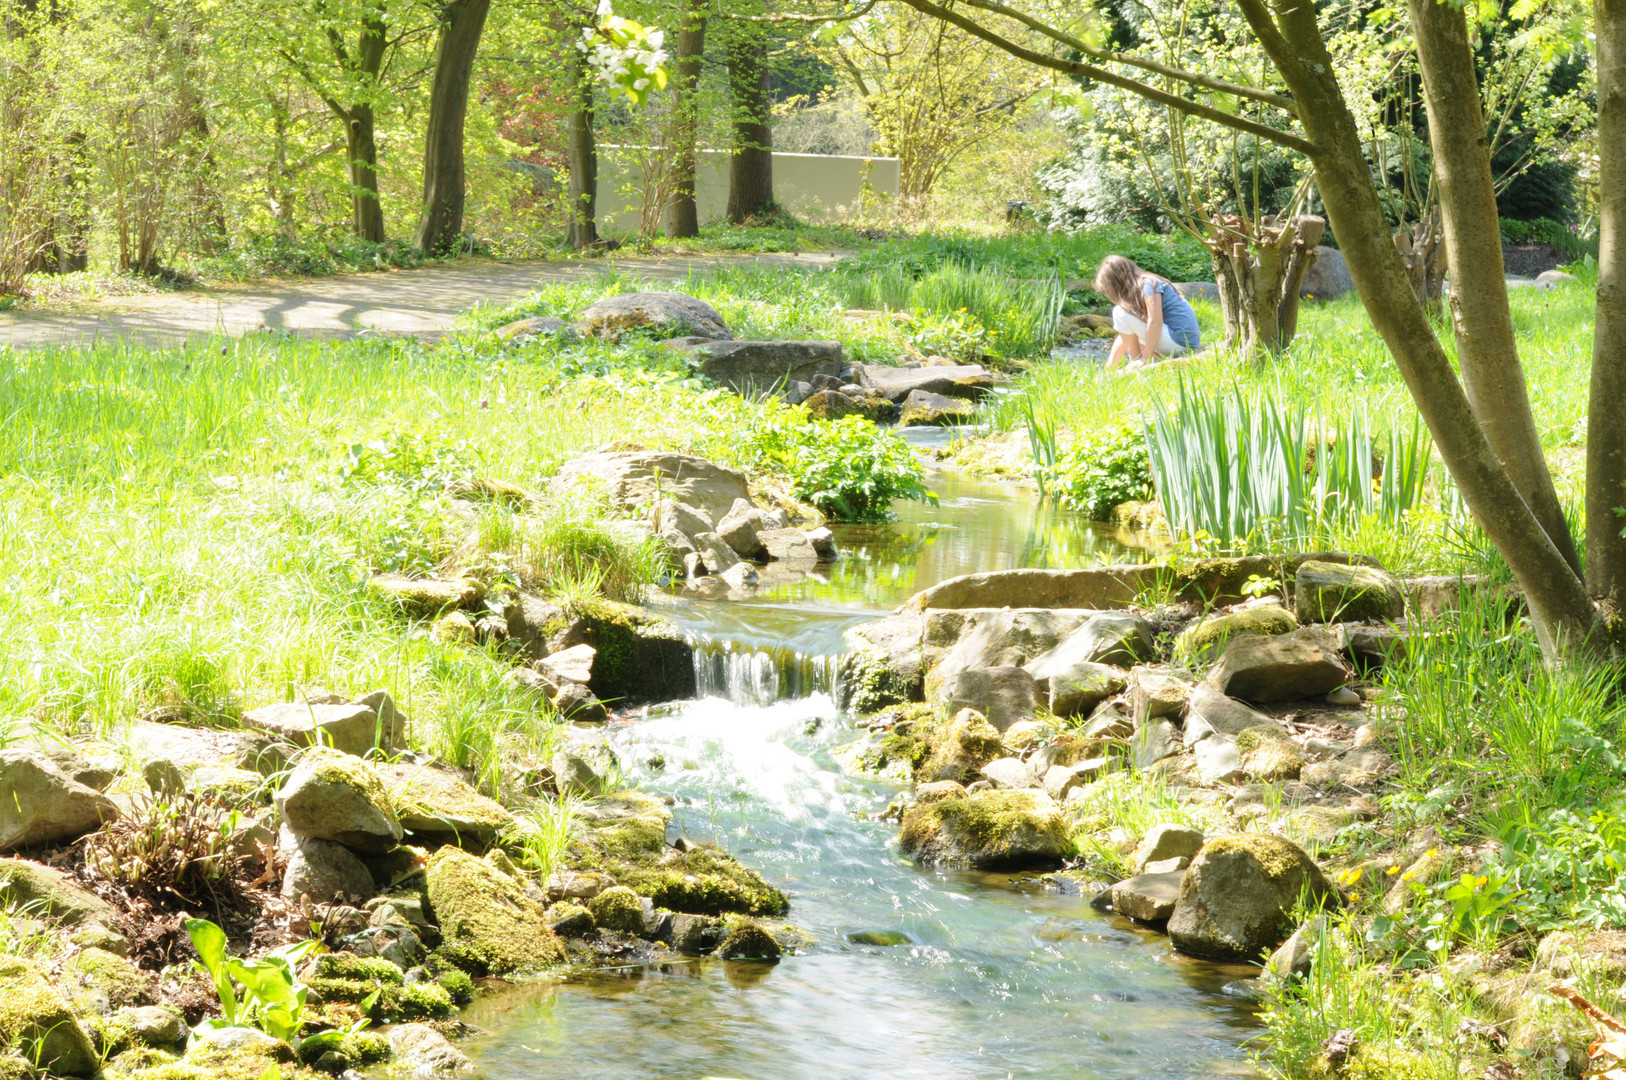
x=814 y=187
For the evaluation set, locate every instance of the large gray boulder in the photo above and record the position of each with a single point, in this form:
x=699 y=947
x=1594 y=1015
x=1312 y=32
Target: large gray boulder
x=1328 y=592
x=749 y=367
x=333 y=796
x=666 y=314
x=372 y=722
x=1167 y=841
x=1303 y=664
x=1109 y=637
x=41 y=804
x=641 y=477
x=989 y=830
x=1328 y=277
x=1005 y=695
x=323 y=870
x=969 y=381
x=1239 y=893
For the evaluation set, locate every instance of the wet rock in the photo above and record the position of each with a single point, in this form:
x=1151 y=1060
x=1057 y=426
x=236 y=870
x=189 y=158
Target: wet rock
x=44 y=805
x=323 y=870
x=749 y=940
x=968 y=381
x=1004 y=695
x=638 y=656
x=35 y=1019
x=438 y=802
x=419 y=1049
x=355 y=728
x=788 y=545
x=665 y=314
x=1167 y=841
x=970 y=640
x=1218 y=760
x=571 y=920
x=1148 y=898
x=754 y=367
x=885 y=663
x=1155 y=695
x=1210 y=711
x=741 y=577
x=1327 y=592
x=1268 y=753
x=1238 y=896
x=740 y=529
x=961 y=748
x=1152 y=742
x=333 y=796
x=487 y=916
x=923 y=408
x=618 y=909
x=638 y=478
x=992 y=830
x=47 y=892
x=1198 y=642
x=1303 y=663
x=1008 y=773
x=823 y=541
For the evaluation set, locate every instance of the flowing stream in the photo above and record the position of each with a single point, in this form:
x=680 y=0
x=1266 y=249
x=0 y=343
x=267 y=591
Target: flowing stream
x=915 y=975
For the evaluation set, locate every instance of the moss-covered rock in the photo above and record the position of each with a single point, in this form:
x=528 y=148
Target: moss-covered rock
x=333 y=796
x=960 y=748
x=571 y=920
x=994 y=830
x=1238 y=896
x=618 y=909
x=229 y=785
x=437 y=802
x=13 y=1066
x=457 y=984
x=638 y=658
x=703 y=880
x=486 y=916
x=1203 y=639
x=208 y=1061
x=35 y=1018
x=347 y=965
x=869 y=683
x=1329 y=592
x=390 y=1000
x=423 y=598
x=1268 y=753
x=49 y=892
x=749 y=940
x=97 y=981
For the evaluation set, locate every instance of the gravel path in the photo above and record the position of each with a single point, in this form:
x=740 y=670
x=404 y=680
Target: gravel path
x=424 y=300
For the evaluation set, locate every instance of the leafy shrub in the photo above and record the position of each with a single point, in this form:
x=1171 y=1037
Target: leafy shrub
x=1018 y=315
x=326 y=252
x=1564 y=242
x=849 y=469
x=1100 y=470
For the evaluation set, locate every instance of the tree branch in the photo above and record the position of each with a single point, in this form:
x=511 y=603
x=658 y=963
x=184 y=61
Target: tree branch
x=848 y=16
x=1111 y=78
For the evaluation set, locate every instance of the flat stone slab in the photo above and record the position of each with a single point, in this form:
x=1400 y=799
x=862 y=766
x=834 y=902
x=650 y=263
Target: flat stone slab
x=967 y=381
x=1147 y=898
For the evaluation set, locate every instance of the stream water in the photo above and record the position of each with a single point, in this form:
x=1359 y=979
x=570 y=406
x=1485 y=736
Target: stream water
x=987 y=976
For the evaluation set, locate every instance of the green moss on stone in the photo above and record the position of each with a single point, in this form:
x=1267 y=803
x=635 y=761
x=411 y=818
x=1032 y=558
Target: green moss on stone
x=35 y=1019
x=366 y=1047
x=749 y=940
x=1276 y=856
x=870 y=683
x=96 y=980
x=207 y=1061
x=632 y=839
x=618 y=909
x=420 y=1001
x=486 y=917
x=457 y=984
x=1206 y=637
x=347 y=965
x=702 y=881
x=988 y=829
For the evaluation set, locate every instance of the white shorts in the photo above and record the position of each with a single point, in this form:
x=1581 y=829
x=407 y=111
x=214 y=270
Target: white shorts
x=1126 y=322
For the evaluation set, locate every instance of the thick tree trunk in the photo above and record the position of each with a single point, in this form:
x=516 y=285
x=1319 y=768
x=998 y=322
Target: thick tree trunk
x=367 y=213
x=582 y=194
x=1486 y=349
x=683 y=217
x=1563 y=614
x=1259 y=272
x=1606 y=406
x=750 y=171
x=1422 y=251
x=461 y=24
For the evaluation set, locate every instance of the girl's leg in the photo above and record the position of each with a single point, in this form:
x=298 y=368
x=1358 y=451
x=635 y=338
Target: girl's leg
x=1122 y=344
x=1130 y=332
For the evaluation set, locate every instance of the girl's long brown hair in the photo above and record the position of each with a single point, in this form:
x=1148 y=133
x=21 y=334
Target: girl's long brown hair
x=1119 y=280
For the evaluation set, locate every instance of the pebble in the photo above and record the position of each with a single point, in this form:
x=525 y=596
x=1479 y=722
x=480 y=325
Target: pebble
x=1343 y=696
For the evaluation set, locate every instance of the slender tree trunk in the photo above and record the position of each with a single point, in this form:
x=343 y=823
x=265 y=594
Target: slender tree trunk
x=582 y=194
x=367 y=213
x=683 y=217
x=750 y=171
x=1563 y=613
x=461 y=24
x=1486 y=349
x=1606 y=406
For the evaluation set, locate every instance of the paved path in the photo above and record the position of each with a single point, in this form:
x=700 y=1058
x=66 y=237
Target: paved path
x=417 y=301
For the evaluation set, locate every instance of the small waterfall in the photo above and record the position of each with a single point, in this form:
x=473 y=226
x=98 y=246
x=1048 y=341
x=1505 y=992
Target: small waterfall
x=754 y=675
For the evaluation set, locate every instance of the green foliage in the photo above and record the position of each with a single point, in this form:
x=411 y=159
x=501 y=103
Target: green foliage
x=1018 y=317
x=1566 y=243
x=1100 y=470
x=1245 y=469
x=848 y=468
x=326 y=251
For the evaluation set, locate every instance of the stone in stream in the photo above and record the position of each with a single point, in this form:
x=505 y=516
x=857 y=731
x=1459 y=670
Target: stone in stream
x=1303 y=663
x=1327 y=592
x=637 y=478
x=695 y=934
x=789 y=545
x=1148 y=898
x=969 y=640
x=824 y=542
x=1167 y=841
x=680 y=517
x=666 y=314
x=1004 y=695
x=740 y=529
x=42 y=804
x=961 y=748
x=755 y=367
x=334 y=796
x=749 y=940
x=968 y=381
x=923 y=408
x=420 y=1050
x=488 y=916
x=1238 y=896
x=987 y=830
x=639 y=656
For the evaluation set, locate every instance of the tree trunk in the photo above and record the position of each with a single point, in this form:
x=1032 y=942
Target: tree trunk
x=750 y=170
x=367 y=213
x=461 y=24
x=683 y=217
x=1562 y=612
x=1422 y=252
x=1606 y=405
x=1486 y=349
x=1259 y=271
x=582 y=195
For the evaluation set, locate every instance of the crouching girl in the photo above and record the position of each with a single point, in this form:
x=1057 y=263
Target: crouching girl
x=1151 y=318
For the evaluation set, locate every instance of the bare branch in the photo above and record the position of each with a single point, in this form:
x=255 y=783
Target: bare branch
x=844 y=16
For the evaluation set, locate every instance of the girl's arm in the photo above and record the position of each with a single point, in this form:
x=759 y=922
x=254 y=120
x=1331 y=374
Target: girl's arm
x=1154 y=325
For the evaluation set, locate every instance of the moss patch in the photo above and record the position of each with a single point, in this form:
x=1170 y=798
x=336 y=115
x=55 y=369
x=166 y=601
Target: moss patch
x=346 y=965
x=749 y=940
x=870 y=683
x=485 y=916
x=701 y=881
x=1276 y=856
x=34 y=1018
x=1205 y=638
x=96 y=980
x=206 y=1061
x=420 y=1001
x=988 y=829
x=618 y=909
